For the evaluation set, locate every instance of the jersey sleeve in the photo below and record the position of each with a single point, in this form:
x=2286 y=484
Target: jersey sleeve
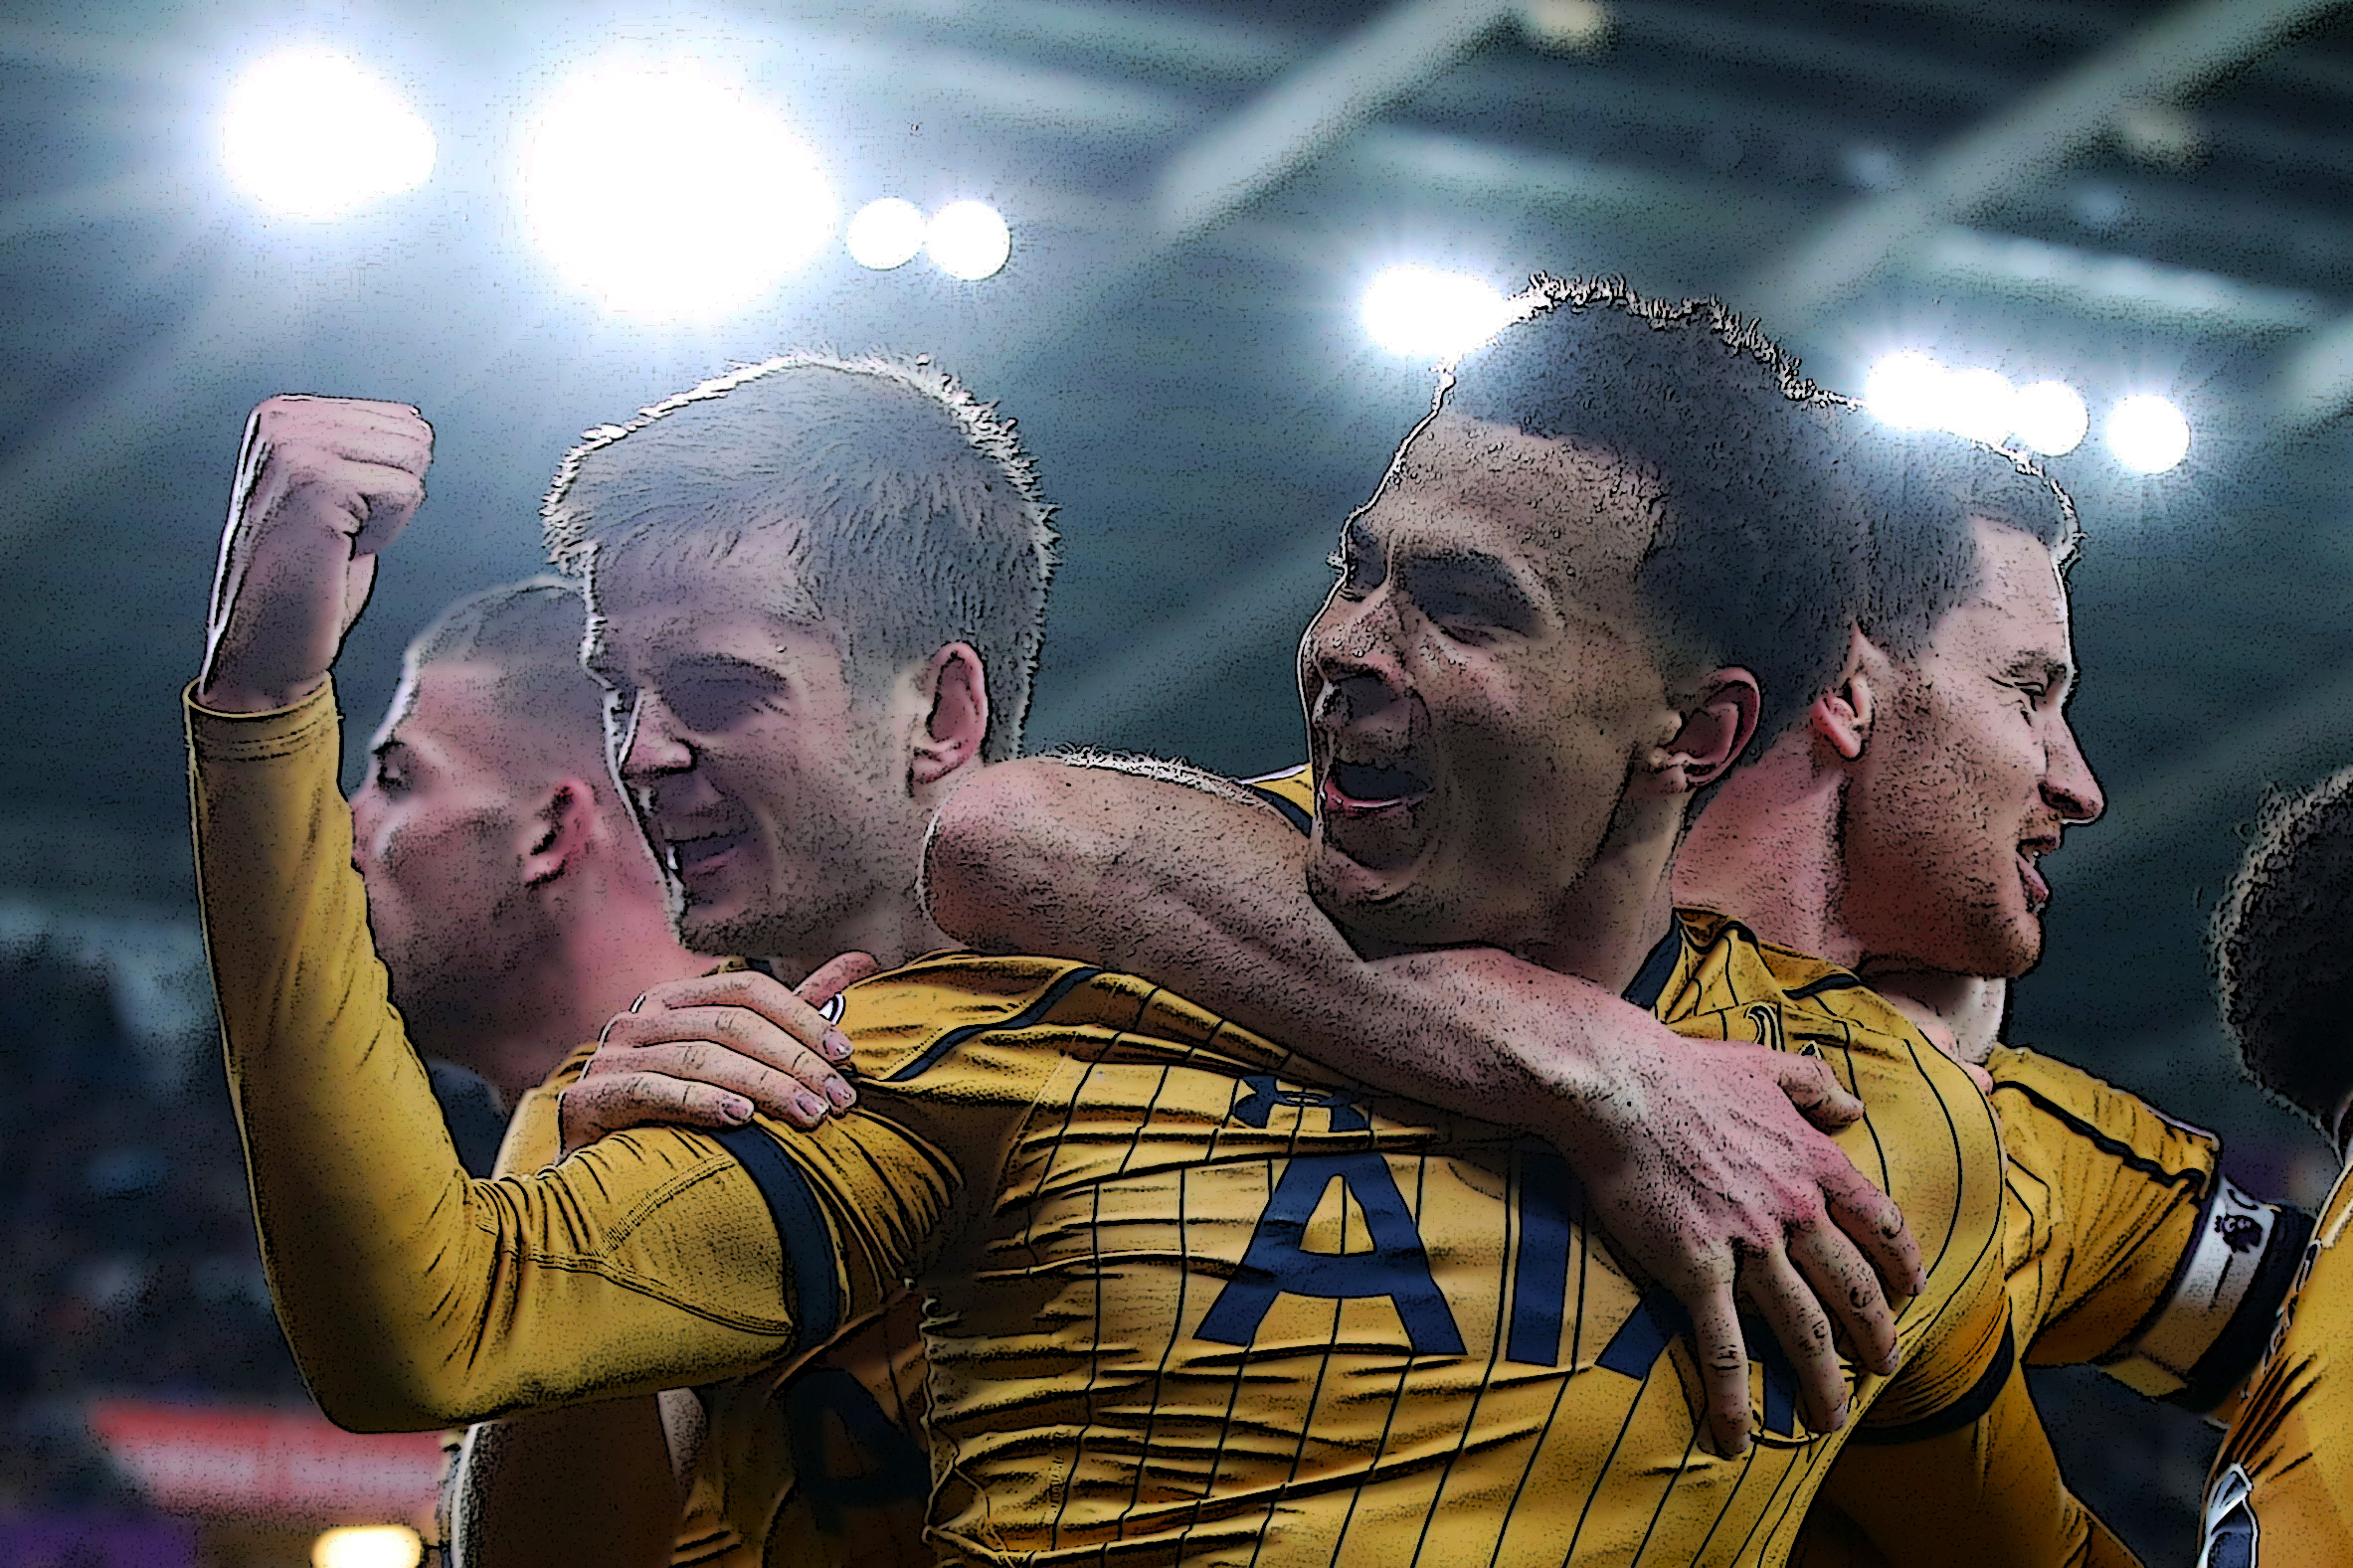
x=2129 y=1246
x=1989 y=1491
x=1291 y=795
x=414 y=1296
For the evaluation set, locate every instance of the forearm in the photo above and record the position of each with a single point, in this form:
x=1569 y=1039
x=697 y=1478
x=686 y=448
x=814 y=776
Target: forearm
x=413 y=1296
x=589 y=1484
x=1210 y=897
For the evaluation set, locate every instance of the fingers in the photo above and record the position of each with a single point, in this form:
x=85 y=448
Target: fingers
x=1815 y=1090
x=731 y=1047
x=834 y=976
x=1723 y=1359
x=1840 y=1278
x=1790 y=1309
x=1871 y=1221
x=757 y=993
x=595 y=1107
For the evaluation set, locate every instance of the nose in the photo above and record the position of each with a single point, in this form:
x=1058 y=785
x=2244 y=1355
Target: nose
x=1348 y=661
x=2068 y=783
x=367 y=808
x=648 y=742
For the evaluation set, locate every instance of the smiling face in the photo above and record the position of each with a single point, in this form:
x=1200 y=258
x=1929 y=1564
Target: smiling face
x=773 y=793
x=1968 y=778
x=439 y=833
x=1480 y=686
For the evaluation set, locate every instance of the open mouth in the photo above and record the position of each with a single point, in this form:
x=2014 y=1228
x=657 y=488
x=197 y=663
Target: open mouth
x=1362 y=789
x=692 y=859
x=2038 y=891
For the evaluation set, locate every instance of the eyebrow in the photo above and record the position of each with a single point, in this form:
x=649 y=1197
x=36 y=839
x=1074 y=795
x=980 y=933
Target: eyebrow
x=2055 y=671
x=386 y=746
x=1469 y=571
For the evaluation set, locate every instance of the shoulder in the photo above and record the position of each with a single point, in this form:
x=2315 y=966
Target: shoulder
x=1730 y=966
x=2049 y=1107
x=968 y=1012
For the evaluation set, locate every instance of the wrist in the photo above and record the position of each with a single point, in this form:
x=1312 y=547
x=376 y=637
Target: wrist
x=224 y=692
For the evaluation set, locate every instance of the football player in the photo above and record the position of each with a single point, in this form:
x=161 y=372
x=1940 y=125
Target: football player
x=1603 y=579
x=2277 y=1497
x=1895 y=831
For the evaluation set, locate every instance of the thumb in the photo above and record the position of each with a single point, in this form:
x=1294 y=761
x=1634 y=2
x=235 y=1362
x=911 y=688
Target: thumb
x=834 y=976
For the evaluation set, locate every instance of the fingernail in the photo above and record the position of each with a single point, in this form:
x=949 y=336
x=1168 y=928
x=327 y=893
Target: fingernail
x=809 y=1104
x=843 y=1096
x=838 y=1045
x=735 y=1110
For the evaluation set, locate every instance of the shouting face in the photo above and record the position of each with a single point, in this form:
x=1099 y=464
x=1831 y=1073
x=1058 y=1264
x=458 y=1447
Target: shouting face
x=1480 y=685
x=1971 y=775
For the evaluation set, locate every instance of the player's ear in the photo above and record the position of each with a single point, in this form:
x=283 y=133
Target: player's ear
x=1841 y=715
x=1717 y=729
x=953 y=690
x=558 y=832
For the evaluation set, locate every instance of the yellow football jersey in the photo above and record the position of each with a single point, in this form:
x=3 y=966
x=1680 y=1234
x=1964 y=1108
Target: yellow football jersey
x=1219 y=1305
x=820 y=1464
x=2283 y=1484
x=1192 y=1300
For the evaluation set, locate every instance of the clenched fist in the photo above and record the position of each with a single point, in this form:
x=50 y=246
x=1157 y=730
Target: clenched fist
x=322 y=485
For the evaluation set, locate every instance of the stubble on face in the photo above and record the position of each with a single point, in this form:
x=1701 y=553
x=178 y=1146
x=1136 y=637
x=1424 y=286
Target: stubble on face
x=1487 y=640
x=1944 y=831
x=772 y=743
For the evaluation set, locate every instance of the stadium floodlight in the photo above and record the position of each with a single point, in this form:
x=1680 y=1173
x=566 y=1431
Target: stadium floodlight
x=2051 y=418
x=885 y=233
x=1423 y=311
x=368 y=1546
x=968 y=239
x=1907 y=391
x=666 y=191
x=2147 y=434
x=307 y=133
x=1978 y=404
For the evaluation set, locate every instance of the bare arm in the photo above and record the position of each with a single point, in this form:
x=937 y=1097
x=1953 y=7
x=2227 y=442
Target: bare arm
x=1701 y=1164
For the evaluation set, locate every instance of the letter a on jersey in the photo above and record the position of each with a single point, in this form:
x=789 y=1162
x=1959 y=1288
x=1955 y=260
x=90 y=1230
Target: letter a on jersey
x=1277 y=1261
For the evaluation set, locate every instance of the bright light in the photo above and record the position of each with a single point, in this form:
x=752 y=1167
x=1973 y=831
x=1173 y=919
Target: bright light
x=665 y=190
x=2147 y=434
x=1978 y=405
x=1420 y=310
x=1907 y=391
x=2050 y=416
x=368 y=1546
x=885 y=233
x=968 y=239
x=309 y=134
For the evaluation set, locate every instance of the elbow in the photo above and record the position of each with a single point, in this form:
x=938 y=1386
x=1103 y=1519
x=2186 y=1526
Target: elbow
x=999 y=846
x=384 y=1397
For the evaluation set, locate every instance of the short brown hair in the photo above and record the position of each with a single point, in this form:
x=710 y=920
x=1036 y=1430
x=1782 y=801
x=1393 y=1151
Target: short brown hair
x=528 y=634
x=919 y=520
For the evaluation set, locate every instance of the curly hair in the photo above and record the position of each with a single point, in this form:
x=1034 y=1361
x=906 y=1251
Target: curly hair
x=1756 y=552
x=2282 y=969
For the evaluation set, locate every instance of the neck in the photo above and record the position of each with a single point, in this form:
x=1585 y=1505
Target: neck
x=614 y=946
x=1766 y=853
x=1622 y=904
x=895 y=930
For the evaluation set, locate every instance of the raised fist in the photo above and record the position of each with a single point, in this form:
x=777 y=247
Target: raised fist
x=322 y=485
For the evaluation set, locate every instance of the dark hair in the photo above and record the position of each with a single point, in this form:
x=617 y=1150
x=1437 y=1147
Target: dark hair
x=913 y=515
x=529 y=633
x=1756 y=554
x=1919 y=491
x=2282 y=966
